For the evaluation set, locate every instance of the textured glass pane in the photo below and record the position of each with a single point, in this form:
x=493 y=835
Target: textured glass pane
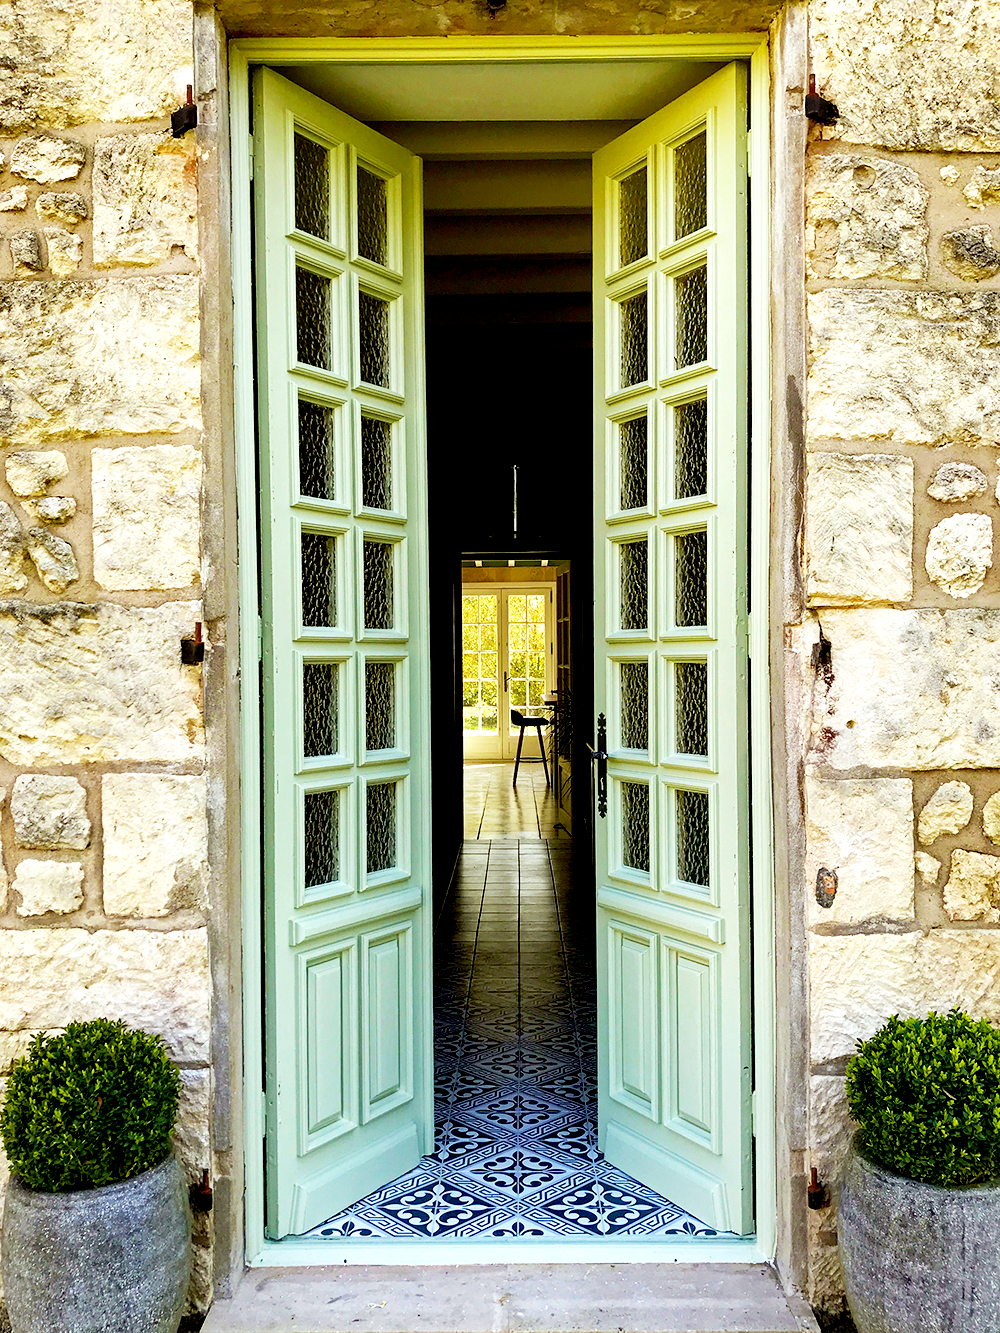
x=691 y=579
x=634 y=340
x=633 y=463
x=691 y=449
x=692 y=837
x=632 y=227
x=320 y=708
x=373 y=217
x=691 y=317
x=312 y=318
x=373 y=334
x=691 y=186
x=378 y=585
x=322 y=837
x=319 y=579
x=312 y=188
x=376 y=463
x=635 y=584
x=635 y=705
x=380 y=800
x=691 y=707
x=635 y=825
x=317 y=456
x=380 y=705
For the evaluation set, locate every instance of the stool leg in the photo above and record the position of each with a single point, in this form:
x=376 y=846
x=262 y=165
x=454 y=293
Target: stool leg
x=517 y=761
x=545 y=762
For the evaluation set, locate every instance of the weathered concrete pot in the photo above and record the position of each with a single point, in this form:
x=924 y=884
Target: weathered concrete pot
x=116 y=1258
x=918 y=1258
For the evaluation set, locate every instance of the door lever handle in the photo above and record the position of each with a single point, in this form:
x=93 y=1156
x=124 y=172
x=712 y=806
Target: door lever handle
x=600 y=757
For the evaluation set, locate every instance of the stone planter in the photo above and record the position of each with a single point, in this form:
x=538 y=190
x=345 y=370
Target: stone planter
x=116 y=1258
x=918 y=1258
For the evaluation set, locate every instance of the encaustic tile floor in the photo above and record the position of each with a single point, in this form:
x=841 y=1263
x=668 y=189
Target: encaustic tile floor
x=515 y=1153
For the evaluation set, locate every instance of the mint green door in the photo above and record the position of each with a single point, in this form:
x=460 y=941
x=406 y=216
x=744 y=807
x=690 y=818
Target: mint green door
x=672 y=847
x=339 y=267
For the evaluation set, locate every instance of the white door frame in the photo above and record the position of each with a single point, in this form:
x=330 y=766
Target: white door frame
x=243 y=53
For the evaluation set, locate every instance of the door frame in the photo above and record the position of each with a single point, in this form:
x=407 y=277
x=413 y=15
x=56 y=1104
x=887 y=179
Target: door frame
x=753 y=47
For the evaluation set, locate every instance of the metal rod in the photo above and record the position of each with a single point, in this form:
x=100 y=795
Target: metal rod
x=515 y=499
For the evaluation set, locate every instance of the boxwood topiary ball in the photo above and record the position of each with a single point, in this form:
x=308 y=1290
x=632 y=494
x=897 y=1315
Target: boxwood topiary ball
x=93 y=1106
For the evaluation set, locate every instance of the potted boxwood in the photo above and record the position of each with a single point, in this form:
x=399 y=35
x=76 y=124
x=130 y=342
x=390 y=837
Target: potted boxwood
x=96 y=1225
x=919 y=1203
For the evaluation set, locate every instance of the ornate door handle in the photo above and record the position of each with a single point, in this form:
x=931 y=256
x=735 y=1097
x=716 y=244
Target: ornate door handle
x=600 y=757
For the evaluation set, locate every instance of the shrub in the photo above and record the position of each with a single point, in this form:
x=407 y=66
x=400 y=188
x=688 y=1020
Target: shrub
x=92 y=1106
x=926 y=1095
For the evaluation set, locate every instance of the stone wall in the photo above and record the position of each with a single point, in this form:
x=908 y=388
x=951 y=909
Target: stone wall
x=902 y=874
x=104 y=871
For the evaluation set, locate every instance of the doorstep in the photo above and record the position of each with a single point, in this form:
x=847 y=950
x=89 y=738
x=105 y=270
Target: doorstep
x=512 y=1298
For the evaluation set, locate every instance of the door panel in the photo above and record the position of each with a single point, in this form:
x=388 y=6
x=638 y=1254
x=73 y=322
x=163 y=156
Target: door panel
x=344 y=658
x=673 y=849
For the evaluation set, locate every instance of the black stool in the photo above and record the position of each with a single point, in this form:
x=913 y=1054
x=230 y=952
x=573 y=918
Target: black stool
x=519 y=720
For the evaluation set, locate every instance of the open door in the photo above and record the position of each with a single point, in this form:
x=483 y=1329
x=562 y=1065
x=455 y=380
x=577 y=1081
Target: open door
x=672 y=836
x=339 y=262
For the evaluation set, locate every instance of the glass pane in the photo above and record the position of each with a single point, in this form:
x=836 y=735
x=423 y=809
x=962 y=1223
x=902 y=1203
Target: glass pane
x=692 y=836
x=633 y=317
x=634 y=585
x=691 y=449
x=526 y=650
x=319 y=579
x=373 y=335
x=312 y=319
x=322 y=837
x=312 y=187
x=635 y=825
x=380 y=705
x=376 y=463
x=691 y=708
x=634 y=689
x=317 y=454
x=691 y=186
x=632 y=226
x=373 y=217
x=380 y=800
x=691 y=579
x=633 y=464
x=691 y=317
x=378 y=585
x=320 y=708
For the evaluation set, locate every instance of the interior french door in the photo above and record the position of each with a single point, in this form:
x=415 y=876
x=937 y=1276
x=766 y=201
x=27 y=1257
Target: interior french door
x=672 y=839
x=344 y=662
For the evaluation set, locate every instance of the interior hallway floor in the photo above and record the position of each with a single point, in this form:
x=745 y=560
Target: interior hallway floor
x=515 y=1151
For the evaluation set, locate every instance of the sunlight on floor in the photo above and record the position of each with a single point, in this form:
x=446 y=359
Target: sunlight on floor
x=495 y=808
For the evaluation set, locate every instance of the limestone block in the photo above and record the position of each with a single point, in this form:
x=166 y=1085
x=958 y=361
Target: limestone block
x=912 y=367
x=957 y=481
x=959 y=553
x=155 y=980
x=114 y=357
x=155 y=844
x=969 y=252
x=866 y=218
x=53 y=559
x=928 y=868
x=12 y=552
x=48 y=886
x=68 y=62
x=192 y=1131
x=69 y=209
x=950 y=174
x=983 y=188
x=50 y=508
x=991 y=818
x=830 y=1123
x=859 y=528
x=912 y=689
x=863 y=829
x=46 y=158
x=919 y=75
x=49 y=812
x=32 y=473
x=947 y=811
x=26 y=252
x=858 y=981
x=97 y=684
x=146 y=517
x=65 y=251
x=15 y=200
x=972 y=891
x=145 y=199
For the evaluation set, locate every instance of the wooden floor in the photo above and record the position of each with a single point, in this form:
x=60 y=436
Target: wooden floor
x=495 y=808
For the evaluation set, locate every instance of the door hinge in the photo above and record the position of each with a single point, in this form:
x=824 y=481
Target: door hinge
x=250 y=153
x=753 y=1113
x=263 y=1113
x=260 y=639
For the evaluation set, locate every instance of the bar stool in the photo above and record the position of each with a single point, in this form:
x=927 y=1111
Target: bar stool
x=519 y=720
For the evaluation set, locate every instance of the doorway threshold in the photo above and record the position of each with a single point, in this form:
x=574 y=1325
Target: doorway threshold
x=484 y=1297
